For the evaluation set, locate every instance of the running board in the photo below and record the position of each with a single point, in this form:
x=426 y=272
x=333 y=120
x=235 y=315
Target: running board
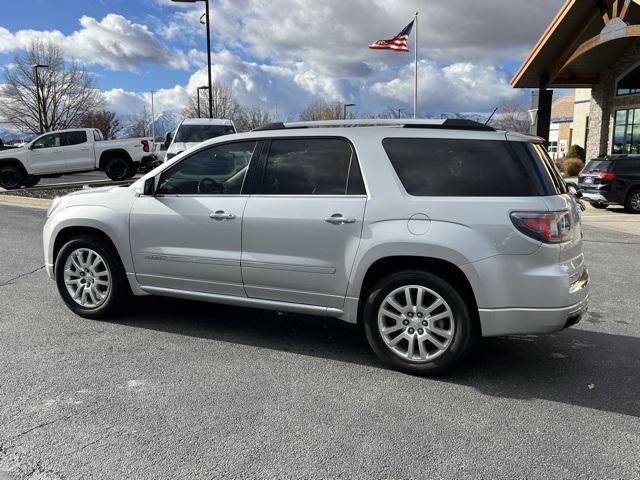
x=245 y=302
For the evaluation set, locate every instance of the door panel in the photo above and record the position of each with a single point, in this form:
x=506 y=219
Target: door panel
x=46 y=156
x=177 y=244
x=77 y=151
x=290 y=252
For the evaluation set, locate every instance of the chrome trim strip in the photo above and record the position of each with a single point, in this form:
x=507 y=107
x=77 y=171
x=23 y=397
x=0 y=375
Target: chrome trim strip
x=289 y=267
x=142 y=276
x=245 y=302
x=147 y=255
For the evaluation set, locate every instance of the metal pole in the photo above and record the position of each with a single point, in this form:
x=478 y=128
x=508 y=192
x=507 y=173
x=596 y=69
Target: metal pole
x=35 y=68
x=209 y=61
x=344 y=111
x=198 y=90
x=153 y=119
x=415 y=59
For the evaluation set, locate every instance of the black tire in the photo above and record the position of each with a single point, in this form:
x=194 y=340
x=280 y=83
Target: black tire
x=465 y=332
x=118 y=169
x=632 y=205
x=11 y=177
x=599 y=206
x=119 y=291
x=31 y=182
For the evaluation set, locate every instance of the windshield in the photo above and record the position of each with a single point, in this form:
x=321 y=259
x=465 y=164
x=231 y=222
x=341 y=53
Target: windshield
x=200 y=133
x=595 y=166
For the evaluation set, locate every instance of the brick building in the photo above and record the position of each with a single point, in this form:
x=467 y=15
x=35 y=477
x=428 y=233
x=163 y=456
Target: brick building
x=592 y=46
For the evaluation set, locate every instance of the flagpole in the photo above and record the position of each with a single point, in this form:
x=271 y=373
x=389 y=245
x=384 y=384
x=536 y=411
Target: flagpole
x=415 y=60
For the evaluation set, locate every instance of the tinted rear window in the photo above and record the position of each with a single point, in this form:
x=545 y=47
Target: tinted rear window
x=201 y=133
x=456 y=167
x=628 y=165
x=595 y=166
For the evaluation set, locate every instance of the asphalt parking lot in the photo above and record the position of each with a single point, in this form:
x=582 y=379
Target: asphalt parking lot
x=183 y=390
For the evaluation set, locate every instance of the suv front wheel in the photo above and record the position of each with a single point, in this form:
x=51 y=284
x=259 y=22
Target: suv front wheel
x=90 y=277
x=418 y=323
x=633 y=202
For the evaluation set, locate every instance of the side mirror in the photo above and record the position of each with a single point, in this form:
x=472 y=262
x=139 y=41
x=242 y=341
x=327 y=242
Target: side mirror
x=577 y=191
x=167 y=139
x=149 y=187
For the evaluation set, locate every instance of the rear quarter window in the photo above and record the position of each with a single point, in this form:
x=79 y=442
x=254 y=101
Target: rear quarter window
x=458 y=167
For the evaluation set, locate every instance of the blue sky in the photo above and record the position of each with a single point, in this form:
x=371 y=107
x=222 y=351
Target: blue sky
x=288 y=52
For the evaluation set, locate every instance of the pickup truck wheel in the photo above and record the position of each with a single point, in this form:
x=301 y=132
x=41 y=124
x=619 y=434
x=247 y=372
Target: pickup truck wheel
x=90 y=277
x=118 y=169
x=418 y=323
x=11 y=177
x=632 y=205
x=31 y=182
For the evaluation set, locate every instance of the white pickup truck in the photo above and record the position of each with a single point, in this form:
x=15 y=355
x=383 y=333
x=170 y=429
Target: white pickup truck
x=71 y=151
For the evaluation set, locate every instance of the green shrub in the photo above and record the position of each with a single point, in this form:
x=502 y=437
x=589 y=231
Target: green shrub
x=576 y=151
x=571 y=166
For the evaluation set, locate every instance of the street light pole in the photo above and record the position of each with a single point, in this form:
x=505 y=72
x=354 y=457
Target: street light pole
x=207 y=23
x=38 y=100
x=344 y=109
x=153 y=118
x=200 y=88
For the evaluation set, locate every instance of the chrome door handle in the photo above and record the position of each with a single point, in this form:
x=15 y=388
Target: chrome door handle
x=221 y=215
x=338 y=219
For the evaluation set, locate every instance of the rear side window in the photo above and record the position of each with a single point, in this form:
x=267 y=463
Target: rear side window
x=312 y=166
x=73 y=138
x=628 y=165
x=457 y=167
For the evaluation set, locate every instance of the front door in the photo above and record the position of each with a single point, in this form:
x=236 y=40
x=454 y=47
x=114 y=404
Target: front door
x=188 y=235
x=46 y=155
x=302 y=229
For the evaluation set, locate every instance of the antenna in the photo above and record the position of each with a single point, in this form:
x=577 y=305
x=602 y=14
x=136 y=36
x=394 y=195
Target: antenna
x=491 y=116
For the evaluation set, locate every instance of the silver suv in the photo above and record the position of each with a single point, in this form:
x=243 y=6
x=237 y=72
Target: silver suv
x=428 y=233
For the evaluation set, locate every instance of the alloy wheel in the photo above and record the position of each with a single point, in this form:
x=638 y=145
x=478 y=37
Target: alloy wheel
x=635 y=202
x=87 y=278
x=416 y=323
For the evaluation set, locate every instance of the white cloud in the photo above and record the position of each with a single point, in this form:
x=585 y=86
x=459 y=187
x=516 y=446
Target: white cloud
x=114 y=42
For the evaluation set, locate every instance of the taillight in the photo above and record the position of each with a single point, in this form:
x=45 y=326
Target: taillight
x=606 y=176
x=145 y=145
x=548 y=227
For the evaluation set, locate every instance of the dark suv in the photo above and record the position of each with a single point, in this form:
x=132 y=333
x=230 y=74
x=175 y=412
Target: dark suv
x=612 y=180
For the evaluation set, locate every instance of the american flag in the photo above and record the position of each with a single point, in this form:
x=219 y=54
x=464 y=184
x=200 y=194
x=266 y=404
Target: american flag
x=397 y=43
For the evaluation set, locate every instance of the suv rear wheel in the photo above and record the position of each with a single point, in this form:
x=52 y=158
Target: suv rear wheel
x=11 y=177
x=418 y=323
x=632 y=205
x=118 y=169
x=90 y=277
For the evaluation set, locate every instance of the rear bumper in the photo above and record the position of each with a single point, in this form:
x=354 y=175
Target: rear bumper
x=523 y=321
x=595 y=198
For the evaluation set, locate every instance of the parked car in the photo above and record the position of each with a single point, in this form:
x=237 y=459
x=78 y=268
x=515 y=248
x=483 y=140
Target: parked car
x=193 y=131
x=612 y=180
x=430 y=236
x=71 y=151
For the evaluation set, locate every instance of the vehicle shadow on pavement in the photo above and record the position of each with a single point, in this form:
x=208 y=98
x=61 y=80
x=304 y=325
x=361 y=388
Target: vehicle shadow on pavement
x=576 y=367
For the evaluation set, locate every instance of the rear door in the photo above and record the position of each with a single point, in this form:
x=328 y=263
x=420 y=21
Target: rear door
x=302 y=228
x=77 y=150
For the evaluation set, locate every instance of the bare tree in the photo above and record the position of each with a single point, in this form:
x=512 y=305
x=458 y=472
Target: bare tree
x=104 y=120
x=139 y=124
x=512 y=117
x=67 y=92
x=251 y=117
x=225 y=104
x=321 y=110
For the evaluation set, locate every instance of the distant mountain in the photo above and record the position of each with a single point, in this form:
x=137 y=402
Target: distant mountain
x=166 y=121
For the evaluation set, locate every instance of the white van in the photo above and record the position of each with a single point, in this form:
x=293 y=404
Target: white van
x=193 y=131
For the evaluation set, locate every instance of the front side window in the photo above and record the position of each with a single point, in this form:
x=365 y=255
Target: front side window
x=48 y=141
x=626 y=134
x=456 y=167
x=73 y=138
x=312 y=166
x=218 y=170
x=630 y=84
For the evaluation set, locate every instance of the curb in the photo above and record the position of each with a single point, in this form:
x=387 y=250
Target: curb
x=41 y=203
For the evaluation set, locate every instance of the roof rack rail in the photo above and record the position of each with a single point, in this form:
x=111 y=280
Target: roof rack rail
x=451 y=123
